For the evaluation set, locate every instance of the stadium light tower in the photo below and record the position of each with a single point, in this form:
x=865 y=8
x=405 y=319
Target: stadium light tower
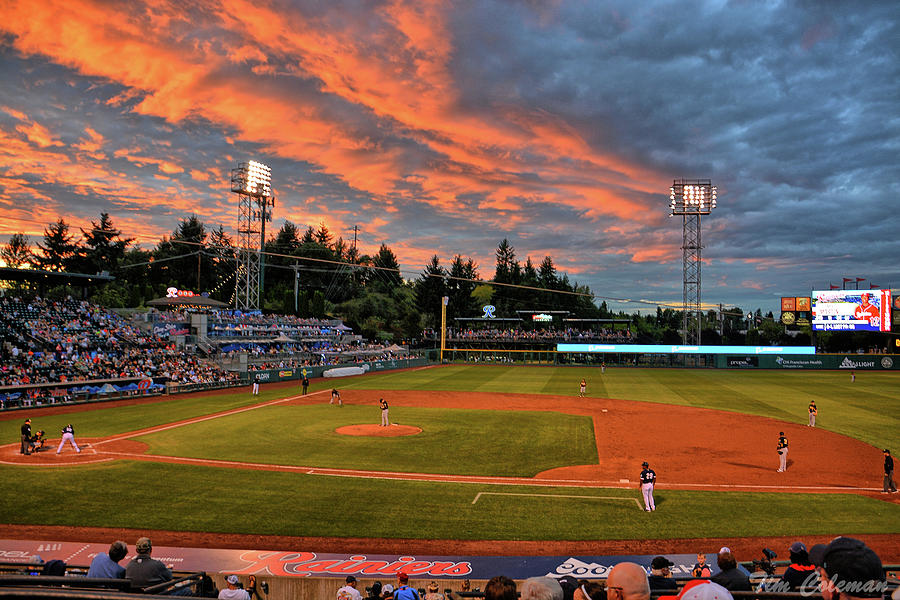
x=690 y=199
x=252 y=182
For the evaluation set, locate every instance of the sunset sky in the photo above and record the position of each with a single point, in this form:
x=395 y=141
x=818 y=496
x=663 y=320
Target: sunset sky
x=444 y=127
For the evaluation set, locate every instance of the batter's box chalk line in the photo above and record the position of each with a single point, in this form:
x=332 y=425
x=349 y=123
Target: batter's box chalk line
x=480 y=494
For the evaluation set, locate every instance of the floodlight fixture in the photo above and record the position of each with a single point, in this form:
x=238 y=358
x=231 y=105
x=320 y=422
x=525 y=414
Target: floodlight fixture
x=253 y=179
x=692 y=197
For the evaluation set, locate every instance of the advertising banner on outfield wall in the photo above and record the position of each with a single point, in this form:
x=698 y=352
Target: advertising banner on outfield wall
x=876 y=362
x=299 y=563
x=272 y=375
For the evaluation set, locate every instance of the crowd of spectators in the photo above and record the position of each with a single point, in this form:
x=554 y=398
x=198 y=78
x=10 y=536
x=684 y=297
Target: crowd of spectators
x=46 y=341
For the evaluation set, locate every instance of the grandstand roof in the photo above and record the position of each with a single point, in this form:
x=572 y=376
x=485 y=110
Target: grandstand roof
x=182 y=301
x=53 y=277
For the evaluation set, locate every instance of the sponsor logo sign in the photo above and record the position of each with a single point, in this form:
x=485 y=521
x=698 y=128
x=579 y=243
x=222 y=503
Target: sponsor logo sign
x=849 y=363
x=743 y=362
x=799 y=363
x=281 y=563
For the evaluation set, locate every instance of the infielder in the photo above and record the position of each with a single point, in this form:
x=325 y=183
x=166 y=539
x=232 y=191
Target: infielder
x=336 y=395
x=68 y=435
x=648 y=481
x=583 y=388
x=384 y=412
x=782 y=449
x=813 y=411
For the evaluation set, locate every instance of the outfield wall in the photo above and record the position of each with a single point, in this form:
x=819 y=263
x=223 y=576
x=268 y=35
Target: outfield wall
x=862 y=362
x=273 y=375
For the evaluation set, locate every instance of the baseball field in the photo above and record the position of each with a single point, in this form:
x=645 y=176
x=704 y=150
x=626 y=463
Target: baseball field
x=478 y=459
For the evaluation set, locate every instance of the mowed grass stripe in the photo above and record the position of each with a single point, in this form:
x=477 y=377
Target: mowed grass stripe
x=192 y=498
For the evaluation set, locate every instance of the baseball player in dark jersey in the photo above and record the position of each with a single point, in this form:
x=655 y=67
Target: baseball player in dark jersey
x=813 y=411
x=384 y=412
x=782 y=449
x=255 y=390
x=648 y=481
x=336 y=395
x=68 y=435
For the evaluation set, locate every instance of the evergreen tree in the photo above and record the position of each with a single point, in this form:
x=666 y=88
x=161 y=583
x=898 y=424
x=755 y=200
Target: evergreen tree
x=429 y=291
x=59 y=247
x=104 y=246
x=17 y=252
x=386 y=272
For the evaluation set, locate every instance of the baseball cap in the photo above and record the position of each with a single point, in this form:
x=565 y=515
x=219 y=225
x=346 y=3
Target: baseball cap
x=350 y=579
x=661 y=562
x=886 y=451
x=387 y=589
x=402 y=576
x=143 y=545
x=724 y=549
x=701 y=589
x=645 y=464
x=568 y=585
x=855 y=566
x=797 y=548
x=817 y=554
x=232 y=579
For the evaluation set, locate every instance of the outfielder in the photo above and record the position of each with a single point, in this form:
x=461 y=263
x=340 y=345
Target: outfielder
x=782 y=449
x=813 y=411
x=68 y=435
x=648 y=481
x=384 y=412
x=255 y=390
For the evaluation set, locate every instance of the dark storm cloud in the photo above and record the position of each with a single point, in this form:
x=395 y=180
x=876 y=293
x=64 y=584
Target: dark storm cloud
x=442 y=130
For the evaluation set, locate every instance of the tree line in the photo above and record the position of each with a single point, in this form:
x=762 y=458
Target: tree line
x=311 y=273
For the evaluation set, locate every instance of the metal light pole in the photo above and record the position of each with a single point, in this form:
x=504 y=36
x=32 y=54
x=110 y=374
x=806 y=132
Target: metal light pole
x=252 y=181
x=691 y=198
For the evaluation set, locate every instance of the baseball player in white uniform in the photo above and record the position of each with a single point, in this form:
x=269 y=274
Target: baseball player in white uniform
x=648 y=481
x=68 y=435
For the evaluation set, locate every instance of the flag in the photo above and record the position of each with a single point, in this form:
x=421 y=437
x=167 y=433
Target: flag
x=846 y=279
x=834 y=287
x=872 y=286
x=858 y=279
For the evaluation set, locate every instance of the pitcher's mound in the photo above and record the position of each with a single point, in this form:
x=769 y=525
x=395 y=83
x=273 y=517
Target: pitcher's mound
x=379 y=431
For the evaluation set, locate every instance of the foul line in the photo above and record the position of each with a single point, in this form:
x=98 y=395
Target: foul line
x=227 y=413
x=480 y=494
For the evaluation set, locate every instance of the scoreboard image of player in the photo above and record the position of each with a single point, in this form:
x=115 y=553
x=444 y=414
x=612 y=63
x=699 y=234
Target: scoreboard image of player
x=851 y=310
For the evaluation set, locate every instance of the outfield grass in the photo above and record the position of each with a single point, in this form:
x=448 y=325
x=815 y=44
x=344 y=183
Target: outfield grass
x=191 y=498
x=138 y=494
x=461 y=442
x=866 y=410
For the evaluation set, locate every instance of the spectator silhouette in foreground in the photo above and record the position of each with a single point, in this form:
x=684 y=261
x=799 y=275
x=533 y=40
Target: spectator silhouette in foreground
x=500 y=587
x=106 y=564
x=145 y=572
x=701 y=589
x=403 y=591
x=701 y=569
x=660 y=576
x=730 y=577
x=374 y=591
x=432 y=593
x=589 y=590
x=541 y=588
x=233 y=591
x=349 y=591
x=796 y=577
x=627 y=581
x=852 y=570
